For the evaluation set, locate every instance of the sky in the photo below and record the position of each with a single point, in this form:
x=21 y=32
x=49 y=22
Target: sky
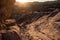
x=33 y=0
x=41 y=0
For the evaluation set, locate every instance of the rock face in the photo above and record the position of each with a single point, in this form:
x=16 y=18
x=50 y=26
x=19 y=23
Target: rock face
x=10 y=31
x=46 y=27
x=5 y=8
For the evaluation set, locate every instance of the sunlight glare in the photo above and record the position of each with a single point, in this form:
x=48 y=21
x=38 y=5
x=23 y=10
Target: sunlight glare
x=22 y=1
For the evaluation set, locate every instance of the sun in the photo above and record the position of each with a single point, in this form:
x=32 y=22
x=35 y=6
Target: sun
x=22 y=0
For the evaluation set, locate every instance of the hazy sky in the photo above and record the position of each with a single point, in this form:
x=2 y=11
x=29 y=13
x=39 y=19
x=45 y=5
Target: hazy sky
x=34 y=0
x=41 y=0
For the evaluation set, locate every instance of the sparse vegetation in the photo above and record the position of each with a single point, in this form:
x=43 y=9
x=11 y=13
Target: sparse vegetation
x=37 y=21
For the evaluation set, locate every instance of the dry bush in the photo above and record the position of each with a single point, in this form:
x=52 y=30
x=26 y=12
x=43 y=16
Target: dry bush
x=5 y=8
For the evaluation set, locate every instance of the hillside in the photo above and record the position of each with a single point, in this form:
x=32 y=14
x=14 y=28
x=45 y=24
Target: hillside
x=40 y=25
x=33 y=21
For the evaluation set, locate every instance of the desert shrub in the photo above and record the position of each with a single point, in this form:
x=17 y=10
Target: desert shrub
x=5 y=8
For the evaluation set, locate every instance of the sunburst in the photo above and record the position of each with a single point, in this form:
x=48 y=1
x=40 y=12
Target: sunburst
x=22 y=1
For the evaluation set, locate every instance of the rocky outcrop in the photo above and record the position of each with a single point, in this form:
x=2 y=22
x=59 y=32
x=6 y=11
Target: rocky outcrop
x=10 y=31
x=35 y=26
x=45 y=27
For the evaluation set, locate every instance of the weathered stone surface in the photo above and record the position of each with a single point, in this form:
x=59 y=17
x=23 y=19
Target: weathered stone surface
x=10 y=31
x=10 y=36
x=33 y=27
x=44 y=28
